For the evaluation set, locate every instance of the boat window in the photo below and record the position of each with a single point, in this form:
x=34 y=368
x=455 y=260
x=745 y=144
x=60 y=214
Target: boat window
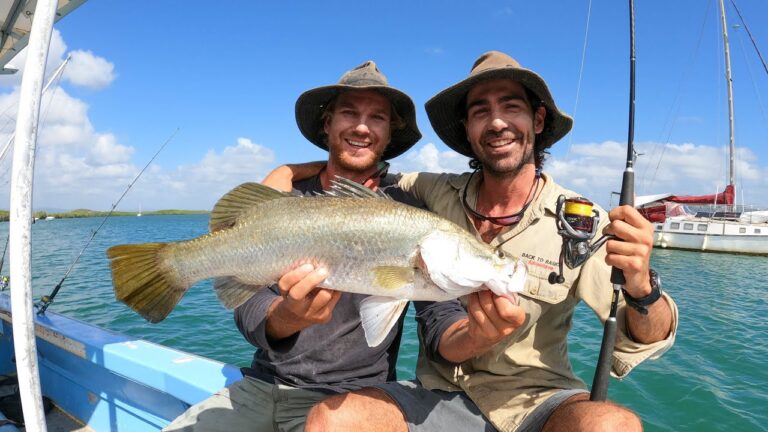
x=702 y=227
x=675 y=225
x=688 y=226
x=742 y=230
x=757 y=230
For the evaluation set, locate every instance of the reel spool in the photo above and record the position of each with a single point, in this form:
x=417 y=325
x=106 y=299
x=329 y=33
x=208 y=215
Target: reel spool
x=577 y=223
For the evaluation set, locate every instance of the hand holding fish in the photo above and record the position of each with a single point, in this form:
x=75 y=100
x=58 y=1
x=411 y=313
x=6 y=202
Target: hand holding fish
x=302 y=303
x=490 y=318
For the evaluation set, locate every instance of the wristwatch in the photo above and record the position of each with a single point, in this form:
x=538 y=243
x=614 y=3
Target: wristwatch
x=641 y=304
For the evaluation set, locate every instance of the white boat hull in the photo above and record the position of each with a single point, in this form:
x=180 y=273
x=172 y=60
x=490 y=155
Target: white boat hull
x=712 y=235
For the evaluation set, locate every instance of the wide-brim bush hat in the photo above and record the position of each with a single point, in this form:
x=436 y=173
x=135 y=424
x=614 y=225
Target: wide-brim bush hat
x=312 y=103
x=446 y=110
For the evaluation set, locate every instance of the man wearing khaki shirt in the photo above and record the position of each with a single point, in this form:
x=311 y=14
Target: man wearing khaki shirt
x=509 y=356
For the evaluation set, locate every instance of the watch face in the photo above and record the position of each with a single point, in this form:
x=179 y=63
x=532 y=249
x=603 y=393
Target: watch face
x=655 y=280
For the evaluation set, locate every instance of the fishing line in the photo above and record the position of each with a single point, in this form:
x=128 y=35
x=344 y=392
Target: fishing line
x=46 y=300
x=581 y=74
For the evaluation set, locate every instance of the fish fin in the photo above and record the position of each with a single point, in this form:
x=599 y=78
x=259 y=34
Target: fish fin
x=234 y=203
x=393 y=277
x=343 y=187
x=378 y=315
x=142 y=283
x=232 y=293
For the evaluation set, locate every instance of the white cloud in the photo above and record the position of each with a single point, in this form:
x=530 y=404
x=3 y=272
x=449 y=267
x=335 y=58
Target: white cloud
x=429 y=158
x=595 y=170
x=55 y=57
x=87 y=70
x=84 y=69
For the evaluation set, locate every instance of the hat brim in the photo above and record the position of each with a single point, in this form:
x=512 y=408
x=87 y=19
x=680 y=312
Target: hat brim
x=311 y=104
x=446 y=114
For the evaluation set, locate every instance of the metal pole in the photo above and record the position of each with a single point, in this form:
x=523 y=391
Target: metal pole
x=729 y=82
x=21 y=215
x=50 y=81
x=605 y=360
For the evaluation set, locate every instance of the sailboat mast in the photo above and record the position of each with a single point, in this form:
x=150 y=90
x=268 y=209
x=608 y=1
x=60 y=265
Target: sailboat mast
x=729 y=82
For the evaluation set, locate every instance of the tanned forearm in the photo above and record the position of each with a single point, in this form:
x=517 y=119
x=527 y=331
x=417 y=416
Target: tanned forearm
x=279 y=326
x=653 y=327
x=458 y=345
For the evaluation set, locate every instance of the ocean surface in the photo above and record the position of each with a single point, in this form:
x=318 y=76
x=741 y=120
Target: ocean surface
x=715 y=378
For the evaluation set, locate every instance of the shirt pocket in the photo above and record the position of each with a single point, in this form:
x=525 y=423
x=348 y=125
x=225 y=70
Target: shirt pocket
x=540 y=289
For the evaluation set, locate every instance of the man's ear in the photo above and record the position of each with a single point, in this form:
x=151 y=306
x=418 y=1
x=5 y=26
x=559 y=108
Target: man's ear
x=326 y=123
x=538 y=119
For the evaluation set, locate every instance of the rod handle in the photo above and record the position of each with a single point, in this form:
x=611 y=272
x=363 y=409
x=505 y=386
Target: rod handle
x=627 y=198
x=603 y=371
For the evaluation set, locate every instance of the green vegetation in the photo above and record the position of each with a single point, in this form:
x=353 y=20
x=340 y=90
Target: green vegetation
x=79 y=213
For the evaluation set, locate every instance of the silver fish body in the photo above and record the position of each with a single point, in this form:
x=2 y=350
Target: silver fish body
x=369 y=245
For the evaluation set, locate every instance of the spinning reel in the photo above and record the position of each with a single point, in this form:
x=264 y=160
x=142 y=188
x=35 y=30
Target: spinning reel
x=577 y=224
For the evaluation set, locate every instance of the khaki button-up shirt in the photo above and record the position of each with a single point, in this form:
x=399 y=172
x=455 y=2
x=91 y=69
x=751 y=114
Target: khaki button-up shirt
x=516 y=375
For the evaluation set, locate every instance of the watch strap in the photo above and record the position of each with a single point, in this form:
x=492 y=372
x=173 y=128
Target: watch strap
x=641 y=304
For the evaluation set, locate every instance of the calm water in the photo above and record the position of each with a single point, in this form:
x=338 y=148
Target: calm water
x=715 y=378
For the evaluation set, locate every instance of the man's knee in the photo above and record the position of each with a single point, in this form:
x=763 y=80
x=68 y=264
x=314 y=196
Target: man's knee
x=369 y=409
x=320 y=417
x=578 y=414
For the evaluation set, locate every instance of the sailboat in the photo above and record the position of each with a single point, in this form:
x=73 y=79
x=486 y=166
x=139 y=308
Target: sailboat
x=718 y=225
x=139 y=213
x=70 y=375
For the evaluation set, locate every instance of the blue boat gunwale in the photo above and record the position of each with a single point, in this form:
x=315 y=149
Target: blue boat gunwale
x=145 y=381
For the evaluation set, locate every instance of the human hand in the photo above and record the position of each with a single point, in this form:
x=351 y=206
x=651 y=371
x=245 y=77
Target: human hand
x=633 y=254
x=492 y=318
x=282 y=177
x=302 y=303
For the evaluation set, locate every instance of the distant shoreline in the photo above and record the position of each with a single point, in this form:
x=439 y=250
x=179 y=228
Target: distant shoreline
x=81 y=213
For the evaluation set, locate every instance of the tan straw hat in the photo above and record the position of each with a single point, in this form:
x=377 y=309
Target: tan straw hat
x=446 y=110
x=312 y=103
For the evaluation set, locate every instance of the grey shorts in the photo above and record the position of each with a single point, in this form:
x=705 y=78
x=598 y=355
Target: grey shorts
x=249 y=405
x=436 y=410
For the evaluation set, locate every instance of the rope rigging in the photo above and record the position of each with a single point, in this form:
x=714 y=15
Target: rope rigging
x=746 y=27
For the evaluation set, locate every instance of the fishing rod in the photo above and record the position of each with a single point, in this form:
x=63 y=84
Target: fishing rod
x=603 y=371
x=4 y=279
x=46 y=300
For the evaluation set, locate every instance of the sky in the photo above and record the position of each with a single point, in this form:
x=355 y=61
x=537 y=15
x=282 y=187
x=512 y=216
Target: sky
x=221 y=82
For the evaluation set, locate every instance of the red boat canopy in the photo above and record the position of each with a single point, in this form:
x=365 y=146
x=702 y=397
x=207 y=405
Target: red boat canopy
x=725 y=197
x=658 y=211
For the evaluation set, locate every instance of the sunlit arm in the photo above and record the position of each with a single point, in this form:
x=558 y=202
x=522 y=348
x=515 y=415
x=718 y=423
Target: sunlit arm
x=282 y=177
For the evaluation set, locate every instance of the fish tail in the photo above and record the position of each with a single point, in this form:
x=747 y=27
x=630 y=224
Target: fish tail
x=142 y=282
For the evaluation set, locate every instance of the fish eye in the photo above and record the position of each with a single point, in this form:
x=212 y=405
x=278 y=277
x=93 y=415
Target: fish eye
x=500 y=253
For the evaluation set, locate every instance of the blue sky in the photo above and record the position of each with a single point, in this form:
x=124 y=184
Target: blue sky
x=228 y=77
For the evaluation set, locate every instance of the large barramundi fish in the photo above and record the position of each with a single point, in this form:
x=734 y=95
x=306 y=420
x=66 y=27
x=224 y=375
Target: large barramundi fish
x=370 y=245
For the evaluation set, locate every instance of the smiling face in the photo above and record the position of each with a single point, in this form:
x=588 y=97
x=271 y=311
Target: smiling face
x=501 y=126
x=358 y=130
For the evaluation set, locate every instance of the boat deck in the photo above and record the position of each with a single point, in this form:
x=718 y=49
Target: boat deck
x=59 y=421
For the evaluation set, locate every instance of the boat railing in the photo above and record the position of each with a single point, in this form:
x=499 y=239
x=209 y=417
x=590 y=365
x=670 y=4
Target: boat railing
x=742 y=213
